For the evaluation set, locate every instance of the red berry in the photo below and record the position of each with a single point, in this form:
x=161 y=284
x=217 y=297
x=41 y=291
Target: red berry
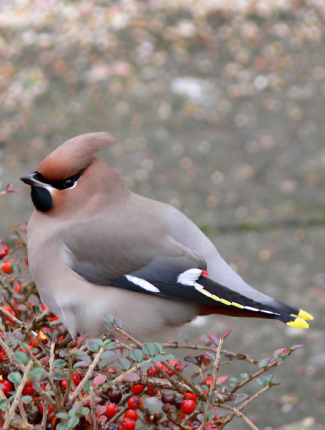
x=111 y=370
x=28 y=390
x=49 y=409
x=132 y=414
x=134 y=402
x=26 y=260
x=188 y=406
x=64 y=384
x=151 y=391
x=128 y=424
x=3 y=355
x=111 y=410
x=6 y=386
x=77 y=378
x=190 y=396
x=3 y=250
x=17 y=287
x=8 y=309
x=208 y=380
x=137 y=389
x=152 y=371
x=8 y=266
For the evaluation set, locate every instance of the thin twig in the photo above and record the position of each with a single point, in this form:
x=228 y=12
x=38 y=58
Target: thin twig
x=92 y=408
x=176 y=345
x=121 y=377
x=19 y=391
x=88 y=374
x=212 y=386
x=247 y=402
x=240 y=415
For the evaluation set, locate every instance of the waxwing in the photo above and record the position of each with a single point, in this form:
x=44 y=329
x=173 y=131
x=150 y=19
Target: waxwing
x=97 y=249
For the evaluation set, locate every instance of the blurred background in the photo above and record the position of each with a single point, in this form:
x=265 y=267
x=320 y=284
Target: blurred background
x=219 y=110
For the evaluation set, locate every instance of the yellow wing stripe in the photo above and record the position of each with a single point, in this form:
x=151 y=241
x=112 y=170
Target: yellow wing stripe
x=238 y=305
x=200 y=288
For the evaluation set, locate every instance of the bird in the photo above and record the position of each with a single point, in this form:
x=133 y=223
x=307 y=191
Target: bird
x=97 y=249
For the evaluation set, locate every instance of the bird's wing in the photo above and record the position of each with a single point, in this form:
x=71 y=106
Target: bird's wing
x=139 y=254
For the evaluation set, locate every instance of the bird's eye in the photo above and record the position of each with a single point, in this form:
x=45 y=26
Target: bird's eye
x=68 y=183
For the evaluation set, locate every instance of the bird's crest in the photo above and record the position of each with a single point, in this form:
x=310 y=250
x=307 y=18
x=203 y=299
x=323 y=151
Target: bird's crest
x=74 y=155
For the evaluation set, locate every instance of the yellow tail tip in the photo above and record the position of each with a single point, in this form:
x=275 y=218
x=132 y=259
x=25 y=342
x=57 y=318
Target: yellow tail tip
x=298 y=323
x=305 y=315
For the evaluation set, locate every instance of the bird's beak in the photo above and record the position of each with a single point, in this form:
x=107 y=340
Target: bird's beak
x=31 y=180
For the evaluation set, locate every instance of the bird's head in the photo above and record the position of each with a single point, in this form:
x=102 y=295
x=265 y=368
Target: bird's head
x=70 y=173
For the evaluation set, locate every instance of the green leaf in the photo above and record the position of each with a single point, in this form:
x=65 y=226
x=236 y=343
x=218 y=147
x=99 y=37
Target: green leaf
x=158 y=358
x=4 y=407
x=62 y=426
x=109 y=346
x=27 y=399
x=161 y=357
x=15 y=377
x=73 y=421
x=60 y=363
x=94 y=344
x=264 y=362
x=36 y=374
x=83 y=411
x=106 y=358
x=10 y=342
x=62 y=415
x=169 y=357
x=21 y=357
x=158 y=347
x=149 y=349
x=58 y=376
x=78 y=412
x=244 y=375
x=123 y=363
x=263 y=382
x=136 y=355
x=72 y=412
x=87 y=386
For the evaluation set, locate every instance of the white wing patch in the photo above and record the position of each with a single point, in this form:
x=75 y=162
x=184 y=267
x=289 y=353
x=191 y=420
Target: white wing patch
x=189 y=277
x=142 y=283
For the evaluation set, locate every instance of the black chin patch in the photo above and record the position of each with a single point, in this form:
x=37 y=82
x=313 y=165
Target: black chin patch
x=42 y=199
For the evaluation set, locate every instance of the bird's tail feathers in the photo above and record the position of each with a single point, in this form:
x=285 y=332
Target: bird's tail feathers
x=225 y=297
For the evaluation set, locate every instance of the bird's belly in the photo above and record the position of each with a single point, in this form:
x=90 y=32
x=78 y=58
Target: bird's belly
x=143 y=316
x=83 y=307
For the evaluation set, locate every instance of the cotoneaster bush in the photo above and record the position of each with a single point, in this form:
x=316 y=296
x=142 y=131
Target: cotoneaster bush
x=50 y=381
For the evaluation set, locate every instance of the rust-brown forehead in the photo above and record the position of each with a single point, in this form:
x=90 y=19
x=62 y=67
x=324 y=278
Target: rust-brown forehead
x=73 y=156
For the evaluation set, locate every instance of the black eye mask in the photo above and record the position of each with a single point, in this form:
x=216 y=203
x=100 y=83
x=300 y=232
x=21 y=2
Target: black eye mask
x=59 y=185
